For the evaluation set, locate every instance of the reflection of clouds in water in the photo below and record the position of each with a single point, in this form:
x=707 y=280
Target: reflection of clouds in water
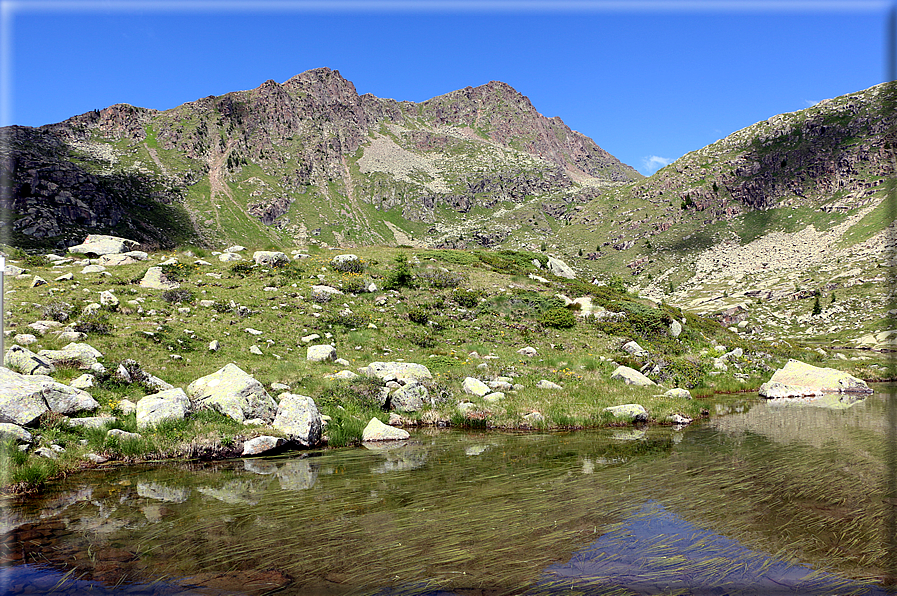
x=655 y=551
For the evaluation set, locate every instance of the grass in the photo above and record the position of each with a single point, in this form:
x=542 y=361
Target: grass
x=497 y=312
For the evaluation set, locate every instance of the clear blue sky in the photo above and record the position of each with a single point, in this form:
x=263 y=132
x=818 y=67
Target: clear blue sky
x=660 y=79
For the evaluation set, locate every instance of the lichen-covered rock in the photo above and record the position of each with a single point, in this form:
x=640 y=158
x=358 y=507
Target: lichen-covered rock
x=630 y=376
x=96 y=245
x=396 y=371
x=410 y=398
x=472 y=386
x=377 y=431
x=298 y=418
x=560 y=268
x=679 y=393
x=798 y=379
x=13 y=432
x=23 y=360
x=229 y=257
x=79 y=354
x=546 y=384
x=65 y=399
x=234 y=393
x=321 y=353
x=172 y=404
x=155 y=279
x=629 y=412
x=262 y=444
x=270 y=258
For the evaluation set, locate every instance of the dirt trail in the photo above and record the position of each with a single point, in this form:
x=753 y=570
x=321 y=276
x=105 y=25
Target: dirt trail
x=219 y=187
x=155 y=157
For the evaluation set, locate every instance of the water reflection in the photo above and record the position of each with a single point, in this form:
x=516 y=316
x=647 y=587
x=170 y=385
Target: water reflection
x=641 y=511
x=655 y=551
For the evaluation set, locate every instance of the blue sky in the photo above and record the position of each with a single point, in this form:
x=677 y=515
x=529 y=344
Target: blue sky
x=649 y=81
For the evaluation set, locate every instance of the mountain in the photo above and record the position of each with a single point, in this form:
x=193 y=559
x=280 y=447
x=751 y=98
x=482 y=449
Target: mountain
x=309 y=160
x=760 y=224
x=781 y=229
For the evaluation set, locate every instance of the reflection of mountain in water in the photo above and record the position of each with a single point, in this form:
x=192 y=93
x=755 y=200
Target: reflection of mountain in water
x=657 y=552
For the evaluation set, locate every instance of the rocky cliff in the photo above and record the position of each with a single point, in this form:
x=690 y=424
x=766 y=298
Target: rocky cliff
x=308 y=160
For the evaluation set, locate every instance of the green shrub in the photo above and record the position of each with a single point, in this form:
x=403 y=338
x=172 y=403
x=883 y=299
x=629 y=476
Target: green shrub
x=179 y=271
x=93 y=322
x=421 y=338
x=57 y=311
x=356 y=284
x=401 y=276
x=178 y=296
x=242 y=269
x=467 y=298
x=559 y=318
x=419 y=315
x=349 y=266
x=438 y=278
x=348 y=320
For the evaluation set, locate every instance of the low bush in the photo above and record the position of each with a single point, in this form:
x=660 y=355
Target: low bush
x=348 y=265
x=439 y=278
x=419 y=315
x=57 y=311
x=558 y=317
x=93 y=322
x=179 y=271
x=467 y=298
x=178 y=296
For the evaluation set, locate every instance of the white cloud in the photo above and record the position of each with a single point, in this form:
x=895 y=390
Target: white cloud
x=811 y=102
x=652 y=163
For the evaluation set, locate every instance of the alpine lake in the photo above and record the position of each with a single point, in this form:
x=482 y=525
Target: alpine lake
x=761 y=497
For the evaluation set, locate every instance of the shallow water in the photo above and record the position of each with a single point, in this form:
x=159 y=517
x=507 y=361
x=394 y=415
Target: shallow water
x=759 y=499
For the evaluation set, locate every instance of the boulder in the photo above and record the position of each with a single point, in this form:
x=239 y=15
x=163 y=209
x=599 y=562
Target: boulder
x=65 y=399
x=528 y=351
x=630 y=376
x=23 y=360
x=13 y=432
x=473 y=386
x=493 y=397
x=92 y=421
x=234 y=248
x=321 y=353
x=560 y=268
x=96 y=245
x=172 y=404
x=546 y=384
x=377 y=431
x=270 y=258
x=13 y=271
x=123 y=435
x=109 y=299
x=678 y=393
x=117 y=259
x=233 y=393
x=629 y=412
x=299 y=419
x=25 y=339
x=262 y=444
x=396 y=371
x=79 y=354
x=21 y=398
x=155 y=279
x=410 y=398
x=634 y=349
x=324 y=293
x=93 y=269
x=38 y=281
x=675 y=329
x=797 y=378
x=229 y=257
